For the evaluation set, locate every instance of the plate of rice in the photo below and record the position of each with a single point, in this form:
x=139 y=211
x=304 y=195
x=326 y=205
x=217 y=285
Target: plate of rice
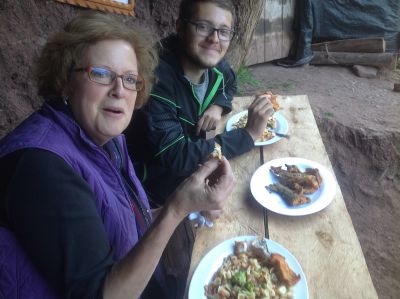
x=253 y=272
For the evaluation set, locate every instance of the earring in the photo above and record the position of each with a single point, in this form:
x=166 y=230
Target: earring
x=65 y=100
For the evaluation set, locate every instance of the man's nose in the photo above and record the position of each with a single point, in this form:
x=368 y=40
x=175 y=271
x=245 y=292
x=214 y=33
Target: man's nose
x=214 y=36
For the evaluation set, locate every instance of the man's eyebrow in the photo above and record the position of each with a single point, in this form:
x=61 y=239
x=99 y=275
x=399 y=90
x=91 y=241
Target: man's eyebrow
x=223 y=26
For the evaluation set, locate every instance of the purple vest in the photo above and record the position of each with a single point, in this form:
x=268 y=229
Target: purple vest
x=55 y=131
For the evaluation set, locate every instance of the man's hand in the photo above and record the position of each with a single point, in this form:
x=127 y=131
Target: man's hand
x=206 y=189
x=258 y=114
x=210 y=119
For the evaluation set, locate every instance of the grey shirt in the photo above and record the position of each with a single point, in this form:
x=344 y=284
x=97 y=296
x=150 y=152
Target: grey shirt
x=201 y=88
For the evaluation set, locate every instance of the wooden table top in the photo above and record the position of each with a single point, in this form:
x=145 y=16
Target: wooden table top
x=324 y=243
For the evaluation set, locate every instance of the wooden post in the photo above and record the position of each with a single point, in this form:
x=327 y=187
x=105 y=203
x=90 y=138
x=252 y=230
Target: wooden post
x=347 y=58
x=359 y=45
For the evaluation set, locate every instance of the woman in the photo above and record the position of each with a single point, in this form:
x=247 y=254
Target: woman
x=74 y=219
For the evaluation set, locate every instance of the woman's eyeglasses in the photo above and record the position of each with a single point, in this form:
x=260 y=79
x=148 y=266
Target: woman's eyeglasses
x=205 y=29
x=105 y=76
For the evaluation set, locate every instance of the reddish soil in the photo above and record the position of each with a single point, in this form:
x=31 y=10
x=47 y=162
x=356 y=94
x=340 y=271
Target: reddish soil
x=359 y=121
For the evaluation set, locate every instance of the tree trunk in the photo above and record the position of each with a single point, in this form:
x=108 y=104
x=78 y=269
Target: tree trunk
x=248 y=13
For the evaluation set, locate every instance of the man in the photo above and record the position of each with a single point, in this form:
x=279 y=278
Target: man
x=195 y=87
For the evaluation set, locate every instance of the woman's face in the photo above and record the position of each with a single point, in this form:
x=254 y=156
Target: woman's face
x=103 y=111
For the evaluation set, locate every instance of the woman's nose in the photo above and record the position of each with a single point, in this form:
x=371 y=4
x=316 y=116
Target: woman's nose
x=118 y=88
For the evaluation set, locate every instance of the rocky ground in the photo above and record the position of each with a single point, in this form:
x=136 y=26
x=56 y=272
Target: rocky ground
x=359 y=121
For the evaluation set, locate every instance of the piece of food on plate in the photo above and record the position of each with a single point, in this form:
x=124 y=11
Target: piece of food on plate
x=266 y=135
x=314 y=172
x=289 y=196
x=249 y=274
x=301 y=182
x=283 y=271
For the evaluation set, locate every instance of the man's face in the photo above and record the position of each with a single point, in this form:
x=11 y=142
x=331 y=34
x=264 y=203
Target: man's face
x=205 y=51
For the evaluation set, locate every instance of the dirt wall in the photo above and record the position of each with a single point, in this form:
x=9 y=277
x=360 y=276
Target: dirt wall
x=25 y=26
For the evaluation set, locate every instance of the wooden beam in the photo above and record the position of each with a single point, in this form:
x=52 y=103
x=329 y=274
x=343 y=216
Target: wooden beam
x=361 y=45
x=347 y=58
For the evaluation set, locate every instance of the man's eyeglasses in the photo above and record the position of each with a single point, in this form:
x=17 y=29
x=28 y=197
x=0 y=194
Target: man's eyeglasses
x=105 y=76
x=206 y=30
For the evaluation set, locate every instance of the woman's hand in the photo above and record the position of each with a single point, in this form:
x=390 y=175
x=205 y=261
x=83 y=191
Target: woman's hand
x=210 y=119
x=213 y=214
x=205 y=190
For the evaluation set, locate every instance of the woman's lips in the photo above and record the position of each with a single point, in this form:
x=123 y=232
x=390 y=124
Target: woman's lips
x=114 y=111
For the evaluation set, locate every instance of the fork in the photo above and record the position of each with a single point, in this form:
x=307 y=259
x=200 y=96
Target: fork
x=280 y=134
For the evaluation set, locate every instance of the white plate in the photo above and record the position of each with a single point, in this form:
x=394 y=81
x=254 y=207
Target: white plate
x=214 y=259
x=273 y=202
x=281 y=126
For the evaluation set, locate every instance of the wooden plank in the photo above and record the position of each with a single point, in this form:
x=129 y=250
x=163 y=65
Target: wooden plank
x=360 y=45
x=287 y=26
x=347 y=58
x=256 y=50
x=125 y=7
x=273 y=30
x=325 y=243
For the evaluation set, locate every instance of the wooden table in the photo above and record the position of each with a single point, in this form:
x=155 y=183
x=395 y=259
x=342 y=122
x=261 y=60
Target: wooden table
x=324 y=243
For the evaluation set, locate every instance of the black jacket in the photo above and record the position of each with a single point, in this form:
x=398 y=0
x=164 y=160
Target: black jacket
x=161 y=138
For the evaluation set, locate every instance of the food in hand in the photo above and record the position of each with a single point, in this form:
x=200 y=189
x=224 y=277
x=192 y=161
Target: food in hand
x=217 y=152
x=249 y=274
x=272 y=97
x=293 y=183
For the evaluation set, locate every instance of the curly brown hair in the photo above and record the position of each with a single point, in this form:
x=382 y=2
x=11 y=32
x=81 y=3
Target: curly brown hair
x=64 y=50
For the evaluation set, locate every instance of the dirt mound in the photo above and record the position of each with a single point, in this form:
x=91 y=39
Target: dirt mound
x=367 y=166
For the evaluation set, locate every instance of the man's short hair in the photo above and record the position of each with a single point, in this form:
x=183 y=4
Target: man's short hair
x=188 y=8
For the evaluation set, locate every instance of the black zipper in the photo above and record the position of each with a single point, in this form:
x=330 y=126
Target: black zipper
x=131 y=189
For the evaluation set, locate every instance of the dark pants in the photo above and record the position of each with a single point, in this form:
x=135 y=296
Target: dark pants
x=176 y=259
